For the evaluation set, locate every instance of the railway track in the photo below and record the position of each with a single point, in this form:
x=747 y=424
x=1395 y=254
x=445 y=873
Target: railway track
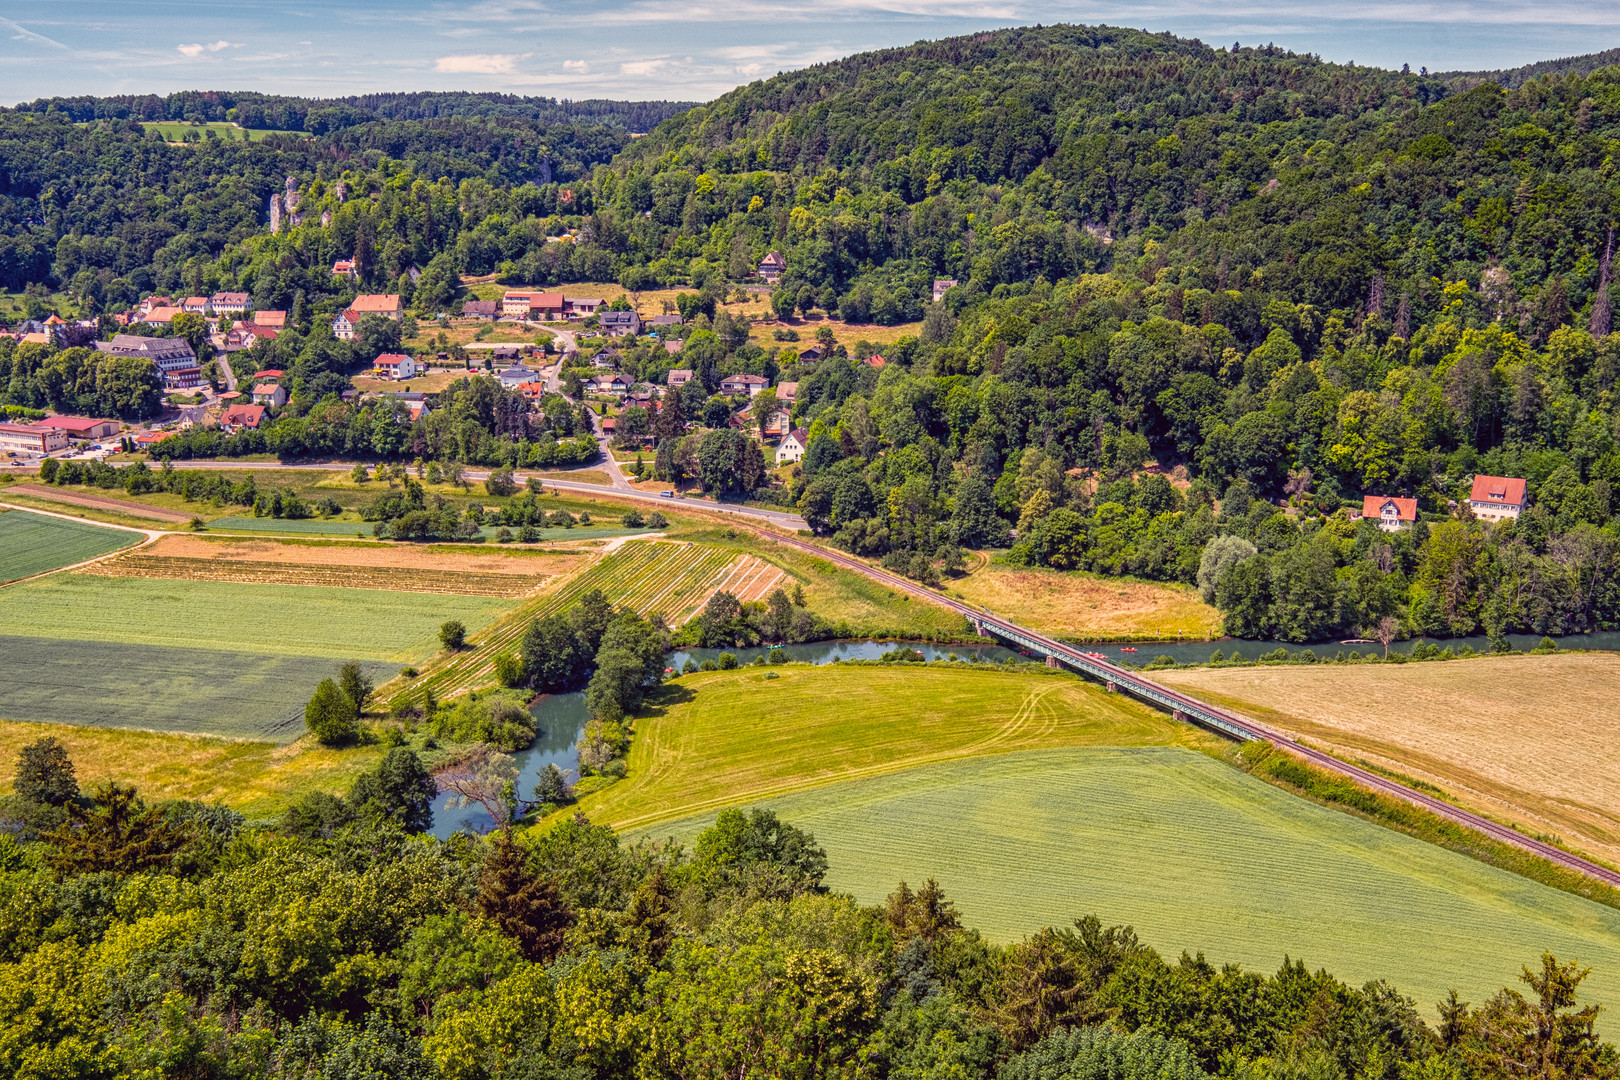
x=1227 y=723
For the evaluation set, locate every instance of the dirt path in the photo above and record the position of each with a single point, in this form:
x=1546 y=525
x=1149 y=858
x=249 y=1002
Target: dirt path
x=97 y=502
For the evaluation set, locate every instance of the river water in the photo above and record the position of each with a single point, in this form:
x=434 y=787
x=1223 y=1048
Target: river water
x=561 y=717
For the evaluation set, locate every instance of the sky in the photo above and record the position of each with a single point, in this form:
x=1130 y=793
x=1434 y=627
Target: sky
x=693 y=50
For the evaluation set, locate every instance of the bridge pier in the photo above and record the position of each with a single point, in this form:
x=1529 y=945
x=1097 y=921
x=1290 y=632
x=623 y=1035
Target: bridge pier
x=1052 y=661
x=1179 y=716
x=978 y=628
x=1111 y=686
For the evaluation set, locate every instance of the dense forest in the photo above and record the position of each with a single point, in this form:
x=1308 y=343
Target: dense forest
x=1203 y=294
x=142 y=939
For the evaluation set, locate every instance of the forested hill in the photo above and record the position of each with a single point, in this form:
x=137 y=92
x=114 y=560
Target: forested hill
x=1512 y=78
x=320 y=116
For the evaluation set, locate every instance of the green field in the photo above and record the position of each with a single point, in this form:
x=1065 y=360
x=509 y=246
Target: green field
x=153 y=688
x=1198 y=856
x=283 y=620
x=172 y=130
x=33 y=543
x=731 y=736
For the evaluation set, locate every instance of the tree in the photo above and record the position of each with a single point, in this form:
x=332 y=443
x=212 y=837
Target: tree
x=486 y=778
x=551 y=786
x=1544 y=1039
x=630 y=659
x=552 y=656
x=399 y=789
x=1101 y=1053
x=356 y=685
x=500 y=483
x=925 y=914
x=752 y=847
x=1387 y=630
x=116 y=832
x=45 y=774
x=526 y=906
x=453 y=635
x=331 y=716
x=1220 y=555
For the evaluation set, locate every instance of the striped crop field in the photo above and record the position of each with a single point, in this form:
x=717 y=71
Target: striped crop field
x=656 y=576
x=748 y=578
x=34 y=543
x=388 y=578
x=1196 y=855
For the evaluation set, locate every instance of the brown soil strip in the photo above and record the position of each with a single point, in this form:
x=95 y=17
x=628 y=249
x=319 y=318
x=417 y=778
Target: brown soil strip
x=98 y=502
x=388 y=578
x=346 y=553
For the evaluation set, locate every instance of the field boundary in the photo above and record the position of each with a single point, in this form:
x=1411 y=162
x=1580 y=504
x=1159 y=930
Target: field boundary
x=98 y=502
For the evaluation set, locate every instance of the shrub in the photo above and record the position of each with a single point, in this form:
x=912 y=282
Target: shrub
x=779 y=656
x=1217 y=657
x=509 y=669
x=727 y=661
x=47 y=469
x=503 y=535
x=453 y=635
x=585 y=517
x=330 y=715
x=656 y=520
x=529 y=534
x=500 y=483
x=633 y=519
x=500 y=718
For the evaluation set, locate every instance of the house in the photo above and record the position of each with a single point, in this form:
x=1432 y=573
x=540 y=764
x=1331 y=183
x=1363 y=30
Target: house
x=415 y=402
x=228 y=303
x=161 y=315
x=532 y=390
x=547 y=305
x=607 y=359
x=743 y=384
x=516 y=375
x=776 y=424
x=270 y=374
x=616 y=383
x=793 y=446
x=152 y=302
x=195 y=305
x=147 y=438
x=173 y=357
x=395 y=365
x=787 y=392
x=243 y=335
x=238 y=417
x=941 y=285
x=1389 y=512
x=771 y=267
x=31 y=439
x=581 y=307
x=518 y=304
x=275 y=319
x=875 y=361
x=812 y=354
x=386 y=305
x=679 y=377
x=618 y=323
x=272 y=394
x=480 y=309
x=1496 y=497
x=665 y=320
x=344 y=325
x=343 y=268
x=81 y=427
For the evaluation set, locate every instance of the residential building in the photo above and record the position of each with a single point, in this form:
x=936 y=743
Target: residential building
x=243 y=335
x=343 y=268
x=674 y=346
x=581 y=307
x=679 y=377
x=1390 y=513
x=607 y=359
x=31 y=439
x=514 y=376
x=811 y=354
x=771 y=267
x=548 y=306
x=81 y=427
x=534 y=391
x=271 y=394
x=344 y=325
x=161 y=316
x=268 y=374
x=776 y=424
x=518 y=304
x=793 y=446
x=152 y=302
x=275 y=319
x=1496 y=497
x=384 y=304
x=195 y=305
x=665 y=320
x=396 y=365
x=619 y=323
x=875 y=361
x=147 y=438
x=743 y=384
x=941 y=285
x=787 y=392
x=480 y=309
x=616 y=383
x=228 y=303
x=173 y=357
x=238 y=417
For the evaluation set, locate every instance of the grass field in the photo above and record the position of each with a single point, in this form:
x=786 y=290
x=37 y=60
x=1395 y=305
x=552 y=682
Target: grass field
x=153 y=687
x=282 y=620
x=256 y=778
x=1513 y=737
x=1198 y=856
x=173 y=130
x=727 y=737
x=68 y=499
x=33 y=543
x=1089 y=608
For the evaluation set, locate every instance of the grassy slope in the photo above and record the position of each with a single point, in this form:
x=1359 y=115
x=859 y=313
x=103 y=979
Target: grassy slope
x=1087 y=607
x=1511 y=737
x=257 y=778
x=1197 y=856
x=277 y=619
x=725 y=737
x=32 y=544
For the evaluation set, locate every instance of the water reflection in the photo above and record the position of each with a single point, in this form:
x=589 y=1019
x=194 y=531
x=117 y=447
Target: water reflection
x=828 y=652
x=561 y=718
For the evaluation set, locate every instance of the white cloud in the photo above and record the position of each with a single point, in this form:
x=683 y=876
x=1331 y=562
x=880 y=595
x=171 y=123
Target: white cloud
x=198 y=49
x=651 y=66
x=578 y=67
x=480 y=63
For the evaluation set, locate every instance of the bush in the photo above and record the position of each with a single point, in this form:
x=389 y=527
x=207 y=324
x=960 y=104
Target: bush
x=330 y=716
x=47 y=469
x=500 y=483
x=528 y=534
x=503 y=535
x=657 y=520
x=509 y=669
x=500 y=718
x=902 y=655
x=779 y=656
x=727 y=661
x=453 y=635
x=633 y=519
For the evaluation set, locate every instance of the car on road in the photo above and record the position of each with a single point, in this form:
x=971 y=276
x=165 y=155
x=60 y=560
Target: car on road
x=666 y=494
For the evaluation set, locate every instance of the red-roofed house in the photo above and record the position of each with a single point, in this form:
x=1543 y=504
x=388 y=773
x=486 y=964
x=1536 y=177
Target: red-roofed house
x=228 y=303
x=243 y=335
x=1496 y=497
x=1389 y=512
x=147 y=438
x=343 y=268
x=787 y=392
x=679 y=377
x=792 y=448
x=344 y=325
x=196 y=305
x=532 y=390
x=161 y=315
x=395 y=365
x=273 y=394
x=743 y=384
x=876 y=361
x=241 y=416
x=386 y=305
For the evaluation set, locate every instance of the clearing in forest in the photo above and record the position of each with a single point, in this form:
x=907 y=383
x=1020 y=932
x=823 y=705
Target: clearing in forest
x=1085 y=607
x=34 y=543
x=723 y=737
x=1510 y=736
x=1199 y=856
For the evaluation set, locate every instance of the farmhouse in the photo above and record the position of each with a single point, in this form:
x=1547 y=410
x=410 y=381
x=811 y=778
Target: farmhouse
x=395 y=365
x=1390 y=513
x=620 y=323
x=581 y=307
x=238 y=417
x=679 y=377
x=81 y=427
x=385 y=305
x=228 y=303
x=547 y=305
x=1496 y=497
x=793 y=446
x=771 y=267
x=29 y=439
x=479 y=309
x=743 y=384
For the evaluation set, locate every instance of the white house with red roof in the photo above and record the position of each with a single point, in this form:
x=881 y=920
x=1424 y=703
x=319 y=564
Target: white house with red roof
x=792 y=446
x=1389 y=512
x=396 y=365
x=743 y=384
x=1496 y=497
x=238 y=417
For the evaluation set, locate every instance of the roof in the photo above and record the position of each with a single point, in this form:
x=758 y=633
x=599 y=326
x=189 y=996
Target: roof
x=268 y=333
x=350 y=315
x=243 y=415
x=266 y=388
x=479 y=307
x=73 y=423
x=774 y=258
x=375 y=302
x=269 y=373
x=683 y=372
x=800 y=436
x=673 y=347
x=270 y=318
x=342 y=266
x=195 y=301
x=546 y=299
x=390 y=359
x=532 y=387
x=1372 y=506
x=746 y=380
x=620 y=316
x=787 y=390
x=664 y=320
x=875 y=361
x=230 y=298
x=162 y=314
x=24 y=429
x=1501 y=490
x=135 y=345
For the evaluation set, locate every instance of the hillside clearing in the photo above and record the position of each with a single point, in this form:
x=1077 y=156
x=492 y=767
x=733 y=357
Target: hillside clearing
x=717 y=738
x=1197 y=856
x=1085 y=607
x=1512 y=737
x=33 y=543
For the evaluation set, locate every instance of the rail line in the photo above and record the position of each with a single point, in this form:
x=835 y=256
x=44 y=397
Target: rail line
x=1186 y=707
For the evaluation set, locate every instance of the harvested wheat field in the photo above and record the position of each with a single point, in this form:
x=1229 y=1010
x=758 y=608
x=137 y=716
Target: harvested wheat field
x=346 y=553
x=1082 y=606
x=1520 y=738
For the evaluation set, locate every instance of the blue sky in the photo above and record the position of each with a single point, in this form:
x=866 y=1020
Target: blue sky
x=693 y=50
